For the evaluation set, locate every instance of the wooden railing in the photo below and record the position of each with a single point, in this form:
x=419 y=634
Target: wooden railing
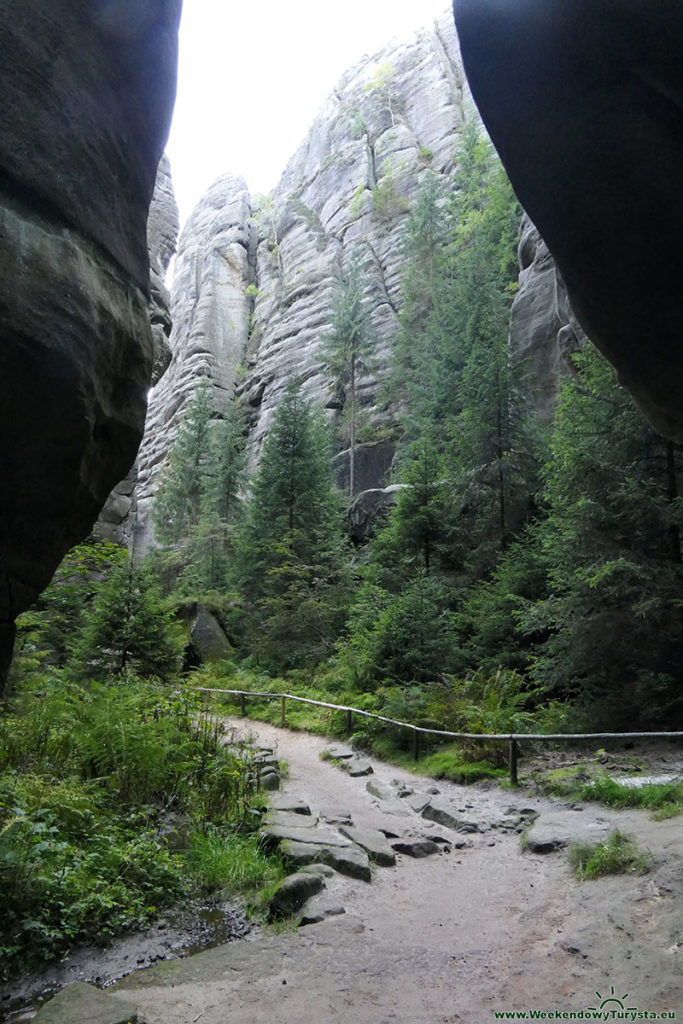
x=512 y=739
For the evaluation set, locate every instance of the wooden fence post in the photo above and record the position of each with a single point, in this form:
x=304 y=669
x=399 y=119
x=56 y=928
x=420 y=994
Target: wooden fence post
x=416 y=745
x=349 y=722
x=243 y=702
x=513 y=761
x=283 y=712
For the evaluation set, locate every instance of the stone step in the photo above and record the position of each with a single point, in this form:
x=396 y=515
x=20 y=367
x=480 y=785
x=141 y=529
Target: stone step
x=373 y=842
x=84 y=1004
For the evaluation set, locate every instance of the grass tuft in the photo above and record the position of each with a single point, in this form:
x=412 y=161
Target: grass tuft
x=219 y=860
x=616 y=855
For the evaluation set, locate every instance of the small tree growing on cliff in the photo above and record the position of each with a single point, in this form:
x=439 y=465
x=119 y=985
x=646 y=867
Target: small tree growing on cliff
x=346 y=351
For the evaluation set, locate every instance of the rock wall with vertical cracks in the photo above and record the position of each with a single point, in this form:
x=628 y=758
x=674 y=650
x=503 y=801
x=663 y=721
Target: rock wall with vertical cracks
x=86 y=95
x=255 y=276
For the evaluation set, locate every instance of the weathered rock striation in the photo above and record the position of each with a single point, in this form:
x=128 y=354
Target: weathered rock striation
x=86 y=92
x=584 y=101
x=116 y=520
x=544 y=331
x=255 y=277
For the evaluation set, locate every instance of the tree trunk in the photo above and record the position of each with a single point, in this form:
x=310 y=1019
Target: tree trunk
x=501 y=479
x=352 y=430
x=7 y=635
x=672 y=488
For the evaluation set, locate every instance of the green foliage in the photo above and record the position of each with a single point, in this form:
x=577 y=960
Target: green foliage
x=129 y=627
x=178 y=500
x=450 y=763
x=381 y=85
x=666 y=797
x=290 y=557
x=89 y=775
x=48 y=632
x=387 y=201
x=346 y=352
x=225 y=860
x=198 y=504
x=612 y=611
x=616 y=855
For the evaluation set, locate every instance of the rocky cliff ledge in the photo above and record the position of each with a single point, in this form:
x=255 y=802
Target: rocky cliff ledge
x=86 y=92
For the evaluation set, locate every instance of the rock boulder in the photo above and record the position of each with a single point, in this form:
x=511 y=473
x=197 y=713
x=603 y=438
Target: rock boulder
x=584 y=101
x=86 y=93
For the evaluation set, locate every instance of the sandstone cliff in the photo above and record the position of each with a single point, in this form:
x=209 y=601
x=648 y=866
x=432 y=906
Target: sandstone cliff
x=86 y=93
x=115 y=521
x=255 y=276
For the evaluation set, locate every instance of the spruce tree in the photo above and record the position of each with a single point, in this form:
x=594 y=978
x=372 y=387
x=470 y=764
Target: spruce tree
x=178 y=501
x=198 y=503
x=346 y=351
x=292 y=563
x=129 y=628
x=612 y=614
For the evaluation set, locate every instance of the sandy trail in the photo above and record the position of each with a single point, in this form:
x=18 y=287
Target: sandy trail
x=453 y=937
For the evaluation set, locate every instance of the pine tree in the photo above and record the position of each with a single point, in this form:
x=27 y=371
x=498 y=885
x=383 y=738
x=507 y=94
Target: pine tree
x=613 y=610
x=291 y=558
x=129 y=627
x=178 y=502
x=346 y=351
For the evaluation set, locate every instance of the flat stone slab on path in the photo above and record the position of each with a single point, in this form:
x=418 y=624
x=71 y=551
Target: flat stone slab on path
x=320 y=907
x=559 y=829
x=299 y=853
x=288 y=819
x=373 y=842
x=379 y=790
x=351 y=861
x=339 y=752
x=292 y=893
x=335 y=816
x=358 y=768
x=320 y=835
x=290 y=804
x=416 y=847
x=85 y=1004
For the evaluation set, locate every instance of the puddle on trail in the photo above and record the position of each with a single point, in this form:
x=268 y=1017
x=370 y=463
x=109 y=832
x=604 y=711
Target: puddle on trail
x=180 y=933
x=636 y=781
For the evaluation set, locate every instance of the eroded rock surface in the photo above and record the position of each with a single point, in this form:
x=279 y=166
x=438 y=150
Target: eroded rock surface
x=255 y=276
x=584 y=101
x=86 y=92
x=117 y=518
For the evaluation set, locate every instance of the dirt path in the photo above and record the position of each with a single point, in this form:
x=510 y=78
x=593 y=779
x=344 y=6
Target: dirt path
x=451 y=937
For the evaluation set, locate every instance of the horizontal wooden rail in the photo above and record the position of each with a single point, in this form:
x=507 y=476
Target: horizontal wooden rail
x=512 y=738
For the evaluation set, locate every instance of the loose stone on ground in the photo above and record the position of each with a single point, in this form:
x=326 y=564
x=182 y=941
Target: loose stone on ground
x=292 y=893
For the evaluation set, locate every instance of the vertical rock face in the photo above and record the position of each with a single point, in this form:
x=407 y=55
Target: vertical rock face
x=117 y=518
x=211 y=316
x=543 y=328
x=86 y=92
x=393 y=119
x=584 y=100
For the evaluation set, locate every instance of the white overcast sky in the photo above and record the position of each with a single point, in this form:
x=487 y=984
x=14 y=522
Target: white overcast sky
x=253 y=74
